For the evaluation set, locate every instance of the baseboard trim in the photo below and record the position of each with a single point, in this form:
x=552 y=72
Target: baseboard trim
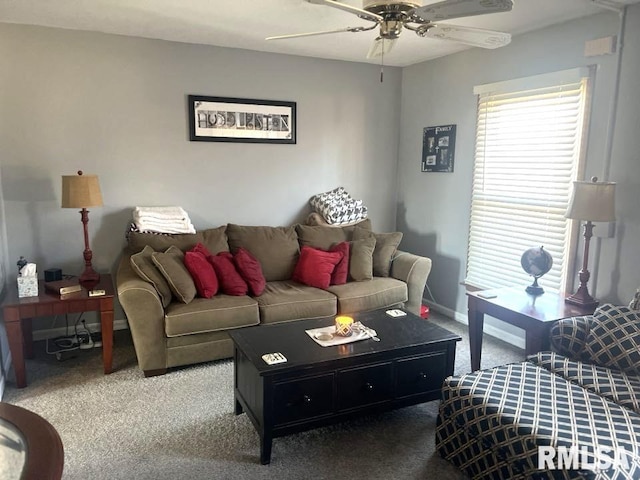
x=60 y=331
x=488 y=329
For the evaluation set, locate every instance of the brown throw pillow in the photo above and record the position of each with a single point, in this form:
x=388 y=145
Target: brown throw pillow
x=171 y=265
x=386 y=247
x=143 y=265
x=361 y=259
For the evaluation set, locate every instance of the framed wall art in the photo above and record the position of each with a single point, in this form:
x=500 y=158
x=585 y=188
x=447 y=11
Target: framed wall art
x=221 y=119
x=438 y=148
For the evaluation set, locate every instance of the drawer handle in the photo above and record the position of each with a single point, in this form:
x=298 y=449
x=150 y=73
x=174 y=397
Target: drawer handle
x=422 y=376
x=306 y=399
x=368 y=386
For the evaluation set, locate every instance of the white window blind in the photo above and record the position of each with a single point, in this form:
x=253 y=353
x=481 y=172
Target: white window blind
x=528 y=144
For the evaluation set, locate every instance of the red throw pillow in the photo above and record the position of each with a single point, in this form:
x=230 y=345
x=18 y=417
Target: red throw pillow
x=314 y=267
x=202 y=273
x=250 y=270
x=231 y=283
x=340 y=273
x=200 y=248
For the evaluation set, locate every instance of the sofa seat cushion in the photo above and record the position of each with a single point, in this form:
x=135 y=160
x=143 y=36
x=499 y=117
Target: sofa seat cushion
x=288 y=300
x=614 y=385
x=379 y=292
x=222 y=312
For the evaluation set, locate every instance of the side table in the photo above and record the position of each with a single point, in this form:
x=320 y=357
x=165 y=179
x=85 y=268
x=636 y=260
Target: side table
x=31 y=447
x=18 y=313
x=513 y=305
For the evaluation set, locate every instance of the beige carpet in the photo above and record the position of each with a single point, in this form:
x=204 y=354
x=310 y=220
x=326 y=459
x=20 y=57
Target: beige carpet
x=181 y=425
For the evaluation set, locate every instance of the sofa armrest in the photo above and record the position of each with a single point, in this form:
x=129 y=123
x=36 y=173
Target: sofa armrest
x=145 y=314
x=568 y=336
x=414 y=271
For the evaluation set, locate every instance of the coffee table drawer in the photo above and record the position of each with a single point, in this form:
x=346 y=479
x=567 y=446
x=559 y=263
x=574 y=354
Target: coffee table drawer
x=420 y=374
x=365 y=385
x=301 y=399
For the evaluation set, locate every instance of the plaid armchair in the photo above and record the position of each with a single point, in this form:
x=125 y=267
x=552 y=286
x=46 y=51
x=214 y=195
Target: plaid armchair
x=585 y=394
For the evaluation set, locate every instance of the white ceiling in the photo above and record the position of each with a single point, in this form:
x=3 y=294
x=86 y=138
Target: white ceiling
x=246 y=23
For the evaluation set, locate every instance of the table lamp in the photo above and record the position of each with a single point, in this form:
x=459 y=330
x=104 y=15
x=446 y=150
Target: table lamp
x=82 y=191
x=592 y=202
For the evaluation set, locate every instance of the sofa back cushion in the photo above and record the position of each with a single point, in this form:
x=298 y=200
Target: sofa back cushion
x=614 y=338
x=161 y=242
x=276 y=248
x=323 y=237
x=215 y=239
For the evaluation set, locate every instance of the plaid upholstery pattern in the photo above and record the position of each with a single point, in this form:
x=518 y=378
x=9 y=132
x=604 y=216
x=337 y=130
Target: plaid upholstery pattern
x=614 y=338
x=569 y=336
x=491 y=423
x=611 y=384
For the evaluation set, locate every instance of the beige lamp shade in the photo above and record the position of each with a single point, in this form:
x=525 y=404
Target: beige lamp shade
x=593 y=201
x=81 y=191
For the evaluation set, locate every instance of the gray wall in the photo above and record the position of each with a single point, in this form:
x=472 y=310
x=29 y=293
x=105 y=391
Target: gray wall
x=433 y=208
x=116 y=106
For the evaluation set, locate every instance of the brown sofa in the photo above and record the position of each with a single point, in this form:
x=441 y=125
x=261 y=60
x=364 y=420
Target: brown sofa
x=183 y=334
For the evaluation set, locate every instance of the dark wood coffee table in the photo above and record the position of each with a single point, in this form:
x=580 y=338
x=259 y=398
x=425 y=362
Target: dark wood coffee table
x=322 y=385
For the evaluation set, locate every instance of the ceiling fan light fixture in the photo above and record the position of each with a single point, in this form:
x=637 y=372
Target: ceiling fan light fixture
x=386 y=6
x=391 y=16
x=380 y=46
x=390 y=29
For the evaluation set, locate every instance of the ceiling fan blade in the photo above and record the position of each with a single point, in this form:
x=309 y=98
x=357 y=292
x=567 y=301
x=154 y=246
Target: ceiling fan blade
x=460 y=8
x=312 y=34
x=381 y=46
x=471 y=36
x=348 y=8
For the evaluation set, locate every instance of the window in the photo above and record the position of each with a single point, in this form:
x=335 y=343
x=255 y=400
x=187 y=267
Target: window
x=528 y=151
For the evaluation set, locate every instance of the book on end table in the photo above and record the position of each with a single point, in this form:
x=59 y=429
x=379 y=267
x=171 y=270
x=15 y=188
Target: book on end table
x=63 y=287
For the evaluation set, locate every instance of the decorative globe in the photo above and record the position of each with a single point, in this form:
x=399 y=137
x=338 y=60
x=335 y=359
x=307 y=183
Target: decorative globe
x=536 y=262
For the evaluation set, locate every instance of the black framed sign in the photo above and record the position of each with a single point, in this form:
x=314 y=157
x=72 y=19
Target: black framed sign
x=221 y=119
x=438 y=148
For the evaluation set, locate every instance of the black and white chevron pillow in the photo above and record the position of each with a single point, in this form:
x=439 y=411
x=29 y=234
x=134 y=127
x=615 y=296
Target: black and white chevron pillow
x=614 y=338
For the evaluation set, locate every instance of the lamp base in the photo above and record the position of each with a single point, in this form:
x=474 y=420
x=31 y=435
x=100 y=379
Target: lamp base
x=89 y=278
x=582 y=299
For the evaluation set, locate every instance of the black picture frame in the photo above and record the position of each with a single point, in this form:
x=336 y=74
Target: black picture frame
x=224 y=119
x=438 y=148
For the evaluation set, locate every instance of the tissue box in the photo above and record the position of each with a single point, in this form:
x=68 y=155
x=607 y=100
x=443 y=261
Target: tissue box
x=27 y=287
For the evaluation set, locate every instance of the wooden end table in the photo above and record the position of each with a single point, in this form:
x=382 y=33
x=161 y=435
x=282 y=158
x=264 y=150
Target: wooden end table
x=18 y=313
x=513 y=305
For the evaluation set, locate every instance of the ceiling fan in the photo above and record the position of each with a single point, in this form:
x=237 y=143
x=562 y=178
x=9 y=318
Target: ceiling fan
x=391 y=16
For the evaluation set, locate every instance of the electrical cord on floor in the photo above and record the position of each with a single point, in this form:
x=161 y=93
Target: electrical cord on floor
x=81 y=338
